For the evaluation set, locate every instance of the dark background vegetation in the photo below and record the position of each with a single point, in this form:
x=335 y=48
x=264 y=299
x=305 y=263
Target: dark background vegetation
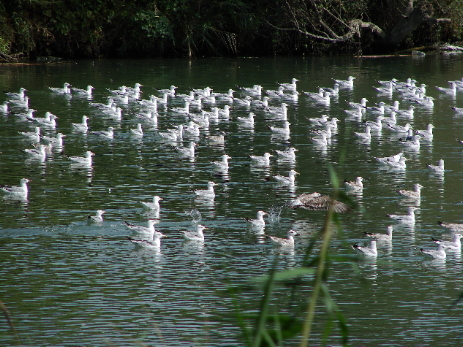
x=180 y=28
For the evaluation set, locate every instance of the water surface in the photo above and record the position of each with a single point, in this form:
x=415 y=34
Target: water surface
x=66 y=282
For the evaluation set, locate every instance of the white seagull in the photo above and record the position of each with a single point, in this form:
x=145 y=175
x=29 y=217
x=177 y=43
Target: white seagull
x=64 y=90
x=366 y=136
x=21 y=191
x=261 y=159
x=438 y=253
x=349 y=83
x=454 y=227
x=107 y=134
x=222 y=165
x=426 y=134
x=288 y=154
x=155 y=206
x=84 y=92
x=86 y=160
x=288 y=242
x=407 y=218
x=97 y=218
x=367 y=251
x=437 y=168
x=207 y=193
x=154 y=242
x=381 y=237
x=356 y=185
x=259 y=222
x=454 y=245
x=196 y=235
x=393 y=158
x=137 y=132
x=39 y=153
x=81 y=127
x=287 y=180
x=142 y=230
x=411 y=194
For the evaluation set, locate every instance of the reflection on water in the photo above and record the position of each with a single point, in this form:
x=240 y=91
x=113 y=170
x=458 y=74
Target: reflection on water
x=65 y=280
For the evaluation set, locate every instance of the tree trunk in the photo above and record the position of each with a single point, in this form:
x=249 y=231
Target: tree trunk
x=414 y=16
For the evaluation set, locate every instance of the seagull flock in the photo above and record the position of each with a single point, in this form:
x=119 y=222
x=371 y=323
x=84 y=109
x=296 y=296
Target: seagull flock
x=200 y=109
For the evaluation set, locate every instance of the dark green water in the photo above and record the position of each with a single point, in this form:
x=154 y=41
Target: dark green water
x=66 y=283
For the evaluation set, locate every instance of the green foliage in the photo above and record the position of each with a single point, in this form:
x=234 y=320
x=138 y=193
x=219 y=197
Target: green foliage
x=92 y=28
x=280 y=316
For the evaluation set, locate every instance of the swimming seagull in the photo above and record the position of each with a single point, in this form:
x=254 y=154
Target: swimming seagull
x=188 y=151
x=137 y=132
x=196 y=235
x=84 y=92
x=4 y=108
x=142 y=230
x=97 y=218
x=152 y=205
x=349 y=83
x=255 y=90
x=39 y=153
x=375 y=125
x=411 y=194
x=261 y=159
x=426 y=134
x=397 y=165
x=407 y=113
x=222 y=165
x=86 y=160
x=316 y=201
x=288 y=242
x=247 y=121
x=319 y=120
x=457 y=110
x=362 y=104
x=381 y=237
x=321 y=141
x=21 y=95
x=386 y=89
x=356 y=185
x=366 y=136
x=411 y=143
x=437 y=168
x=48 y=121
x=108 y=134
x=207 y=193
x=407 y=218
x=259 y=222
x=452 y=90
x=438 y=253
x=284 y=130
x=64 y=90
x=290 y=86
x=454 y=227
x=153 y=242
x=398 y=128
x=393 y=158
x=81 y=127
x=33 y=136
x=454 y=245
x=377 y=110
x=367 y=251
x=286 y=180
x=56 y=141
x=288 y=154
x=21 y=191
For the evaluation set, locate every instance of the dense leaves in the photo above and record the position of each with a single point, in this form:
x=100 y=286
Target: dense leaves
x=120 y=28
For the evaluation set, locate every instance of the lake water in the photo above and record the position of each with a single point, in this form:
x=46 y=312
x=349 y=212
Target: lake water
x=68 y=283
